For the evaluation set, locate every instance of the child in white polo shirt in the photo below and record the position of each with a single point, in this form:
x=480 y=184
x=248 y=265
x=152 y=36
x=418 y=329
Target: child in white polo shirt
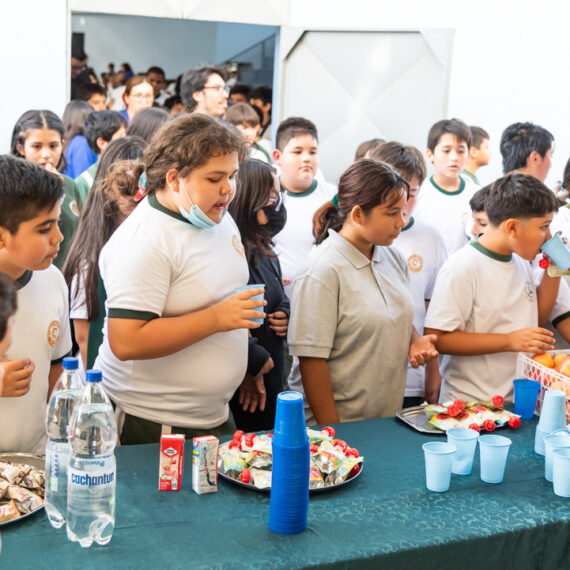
x=424 y=251
x=485 y=306
x=30 y=206
x=175 y=337
x=443 y=200
x=297 y=156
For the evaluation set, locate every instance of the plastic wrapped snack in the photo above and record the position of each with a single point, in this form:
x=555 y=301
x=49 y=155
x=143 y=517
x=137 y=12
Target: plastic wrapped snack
x=8 y=512
x=316 y=480
x=233 y=461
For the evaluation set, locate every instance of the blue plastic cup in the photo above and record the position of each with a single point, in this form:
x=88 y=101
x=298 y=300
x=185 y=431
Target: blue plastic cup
x=561 y=471
x=290 y=430
x=556 y=440
x=557 y=251
x=260 y=296
x=465 y=440
x=439 y=459
x=493 y=451
x=553 y=411
x=526 y=393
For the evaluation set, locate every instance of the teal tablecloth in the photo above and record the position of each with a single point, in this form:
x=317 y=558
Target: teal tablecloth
x=384 y=519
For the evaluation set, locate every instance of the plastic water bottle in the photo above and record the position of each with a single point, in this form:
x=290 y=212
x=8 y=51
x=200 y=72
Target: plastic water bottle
x=91 y=472
x=65 y=394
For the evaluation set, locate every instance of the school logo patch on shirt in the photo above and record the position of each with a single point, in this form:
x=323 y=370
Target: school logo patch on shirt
x=53 y=333
x=74 y=208
x=238 y=246
x=415 y=263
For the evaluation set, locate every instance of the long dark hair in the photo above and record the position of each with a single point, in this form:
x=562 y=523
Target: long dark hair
x=73 y=118
x=147 y=121
x=104 y=211
x=366 y=183
x=254 y=183
x=36 y=119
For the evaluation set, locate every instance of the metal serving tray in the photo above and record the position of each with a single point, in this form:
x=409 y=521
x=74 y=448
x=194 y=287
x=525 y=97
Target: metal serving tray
x=417 y=419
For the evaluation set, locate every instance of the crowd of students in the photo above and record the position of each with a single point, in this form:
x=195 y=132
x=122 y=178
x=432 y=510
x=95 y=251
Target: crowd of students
x=386 y=290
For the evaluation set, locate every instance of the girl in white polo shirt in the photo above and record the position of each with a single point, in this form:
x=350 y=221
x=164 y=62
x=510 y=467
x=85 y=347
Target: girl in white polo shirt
x=175 y=342
x=351 y=308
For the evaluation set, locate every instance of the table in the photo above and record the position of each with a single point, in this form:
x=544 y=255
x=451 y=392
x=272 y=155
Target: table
x=384 y=519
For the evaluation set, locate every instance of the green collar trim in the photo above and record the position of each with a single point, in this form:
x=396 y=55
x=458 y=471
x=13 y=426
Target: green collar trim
x=471 y=176
x=489 y=253
x=154 y=203
x=306 y=192
x=24 y=280
x=408 y=225
x=446 y=192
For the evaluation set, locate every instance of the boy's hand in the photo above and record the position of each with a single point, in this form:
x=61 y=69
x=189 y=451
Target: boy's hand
x=278 y=323
x=17 y=377
x=252 y=391
x=423 y=350
x=235 y=312
x=530 y=339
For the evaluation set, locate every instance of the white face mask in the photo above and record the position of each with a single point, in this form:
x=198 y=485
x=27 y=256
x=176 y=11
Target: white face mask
x=195 y=216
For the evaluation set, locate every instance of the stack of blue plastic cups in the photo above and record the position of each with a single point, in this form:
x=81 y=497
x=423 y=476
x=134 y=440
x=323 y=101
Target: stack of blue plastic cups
x=289 y=503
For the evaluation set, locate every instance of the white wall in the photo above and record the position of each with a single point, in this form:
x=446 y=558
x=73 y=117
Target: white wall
x=34 y=61
x=509 y=60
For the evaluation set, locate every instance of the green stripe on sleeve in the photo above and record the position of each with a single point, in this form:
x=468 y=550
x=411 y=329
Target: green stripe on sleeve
x=560 y=318
x=130 y=314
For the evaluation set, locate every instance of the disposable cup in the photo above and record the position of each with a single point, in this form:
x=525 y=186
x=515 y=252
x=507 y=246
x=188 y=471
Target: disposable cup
x=290 y=429
x=561 y=471
x=260 y=296
x=526 y=393
x=553 y=411
x=465 y=440
x=539 y=436
x=556 y=440
x=439 y=459
x=493 y=451
x=557 y=251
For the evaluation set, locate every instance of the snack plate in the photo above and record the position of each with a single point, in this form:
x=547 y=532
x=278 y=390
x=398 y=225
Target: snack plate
x=268 y=489
x=417 y=419
x=30 y=459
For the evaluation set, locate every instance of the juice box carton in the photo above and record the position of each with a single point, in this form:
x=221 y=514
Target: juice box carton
x=205 y=464
x=171 y=462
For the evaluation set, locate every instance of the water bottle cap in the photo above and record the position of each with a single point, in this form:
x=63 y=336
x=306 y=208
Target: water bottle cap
x=70 y=363
x=94 y=376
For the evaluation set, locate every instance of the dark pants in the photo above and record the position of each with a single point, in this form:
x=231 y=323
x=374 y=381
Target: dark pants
x=412 y=401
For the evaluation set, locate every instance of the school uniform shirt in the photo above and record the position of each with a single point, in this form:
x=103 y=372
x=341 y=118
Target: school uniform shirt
x=41 y=333
x=83 y=183
x=448 y=212
x=294 y=242
x=68 y=220
x=357 y=314
x=480 y=291
x=78 y=157
x=157 y=264
x=424 y=251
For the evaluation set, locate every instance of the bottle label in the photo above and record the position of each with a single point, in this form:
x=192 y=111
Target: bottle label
x=96 y=477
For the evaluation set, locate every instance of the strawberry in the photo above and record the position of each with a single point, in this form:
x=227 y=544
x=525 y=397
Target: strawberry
x=489 y=425
x=475 y=427
x=514 y=422
x=352 y=451
x=354 y=471
x=245 y=476
x=498 y=401
x=330 y=431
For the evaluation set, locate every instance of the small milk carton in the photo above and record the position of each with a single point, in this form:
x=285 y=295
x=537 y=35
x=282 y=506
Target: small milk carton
x=171 y=462
x=205 y=464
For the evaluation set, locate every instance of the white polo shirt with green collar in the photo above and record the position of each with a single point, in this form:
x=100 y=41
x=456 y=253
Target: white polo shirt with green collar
x=480 y=291
x=159 y=265
x=357 y=314
x=448 y=212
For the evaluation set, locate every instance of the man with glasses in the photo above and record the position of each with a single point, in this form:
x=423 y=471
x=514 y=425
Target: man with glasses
x=203 y=90
x=79 y=74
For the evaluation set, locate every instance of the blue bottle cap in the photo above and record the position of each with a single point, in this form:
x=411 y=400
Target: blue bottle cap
x=94 y=376
x=70 y=363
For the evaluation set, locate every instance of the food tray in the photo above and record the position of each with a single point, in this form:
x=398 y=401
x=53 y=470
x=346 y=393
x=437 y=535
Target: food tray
x=32 y=460
x=417 y=419
x=252 y=487
x=548 y=377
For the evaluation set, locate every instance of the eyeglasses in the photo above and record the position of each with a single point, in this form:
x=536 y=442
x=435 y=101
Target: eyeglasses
x=221 y=89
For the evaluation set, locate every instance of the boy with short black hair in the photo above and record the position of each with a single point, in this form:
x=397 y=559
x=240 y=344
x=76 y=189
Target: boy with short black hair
x=246 y=120
x=30 y=206
x=297 y=156
x=94 y=94
x=443 y=200
x=485 y=307
x=527 y=148
x=424 y=251
x=101 y=127
x=480 y=219
x=203 y=90
x=479 y=154
x=157 y=79
x=239 y=93
x=262 y=97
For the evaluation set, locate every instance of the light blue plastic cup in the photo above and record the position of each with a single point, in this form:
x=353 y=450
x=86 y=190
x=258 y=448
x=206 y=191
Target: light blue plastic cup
x=493 y=451
x=439 y=459
x=465 y=440
x=553 y=411
x=556 y=440
x=561 y=471
x=260 y=296
x=556 y=249
x=526 y=393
